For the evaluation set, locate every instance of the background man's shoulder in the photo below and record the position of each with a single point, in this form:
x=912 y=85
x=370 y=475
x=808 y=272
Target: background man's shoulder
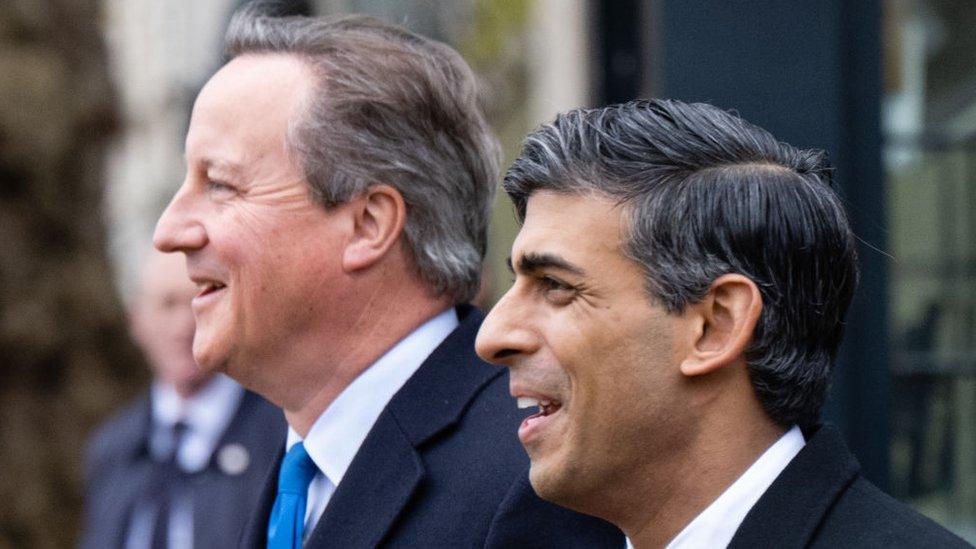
x=124 y=428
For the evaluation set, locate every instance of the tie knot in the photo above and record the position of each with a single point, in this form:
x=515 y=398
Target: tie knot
x=297 y=471
x=166 y=440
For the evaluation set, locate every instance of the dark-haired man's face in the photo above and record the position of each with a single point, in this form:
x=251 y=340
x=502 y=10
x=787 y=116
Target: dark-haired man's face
x=585 y=344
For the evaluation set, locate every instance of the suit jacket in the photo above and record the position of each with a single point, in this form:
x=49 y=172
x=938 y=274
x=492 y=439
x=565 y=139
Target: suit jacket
x=119 y=470
x=821 y=500
x=443 y=467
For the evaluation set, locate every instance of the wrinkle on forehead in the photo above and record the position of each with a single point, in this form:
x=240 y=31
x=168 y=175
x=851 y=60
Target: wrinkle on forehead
x=563 y=224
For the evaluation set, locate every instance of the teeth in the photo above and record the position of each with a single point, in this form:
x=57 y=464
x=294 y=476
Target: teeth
x=527 y=402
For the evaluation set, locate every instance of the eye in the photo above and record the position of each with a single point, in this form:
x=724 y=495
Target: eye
x=557 y=291
x=220 y=187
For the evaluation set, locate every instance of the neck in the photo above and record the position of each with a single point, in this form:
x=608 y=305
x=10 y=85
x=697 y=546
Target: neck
x=377 y=329
x=733 y=437
x=188 y=389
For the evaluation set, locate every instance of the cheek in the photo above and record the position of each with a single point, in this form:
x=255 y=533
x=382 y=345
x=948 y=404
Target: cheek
x=250 y=229
x=613 y=363
x=283 y=287
x=252 y=255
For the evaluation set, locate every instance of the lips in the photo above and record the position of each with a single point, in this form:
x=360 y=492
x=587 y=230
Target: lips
x=536 y=424
x=209 y=287
x=208 y=290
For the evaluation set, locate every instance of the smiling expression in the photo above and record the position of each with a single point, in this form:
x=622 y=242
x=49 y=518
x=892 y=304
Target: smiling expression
x=584 y=341
x=263 y=254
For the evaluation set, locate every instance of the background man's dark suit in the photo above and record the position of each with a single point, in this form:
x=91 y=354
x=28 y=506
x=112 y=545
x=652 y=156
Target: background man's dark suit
x=821 y=500
x=119 y=468
x=442 y=467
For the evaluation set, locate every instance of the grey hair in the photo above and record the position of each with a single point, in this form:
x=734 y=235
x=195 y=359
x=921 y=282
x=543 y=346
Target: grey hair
x=391 y=107
x=707 y=194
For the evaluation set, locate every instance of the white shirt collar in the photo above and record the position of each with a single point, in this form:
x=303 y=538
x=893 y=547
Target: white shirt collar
x=206 y=415
x=337 y=434
x=716 y=525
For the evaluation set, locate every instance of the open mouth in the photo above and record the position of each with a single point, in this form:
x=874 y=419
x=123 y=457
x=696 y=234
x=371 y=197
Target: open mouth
x=207 y=288
x=546 y=407
x=207 y=292
x=533 y=425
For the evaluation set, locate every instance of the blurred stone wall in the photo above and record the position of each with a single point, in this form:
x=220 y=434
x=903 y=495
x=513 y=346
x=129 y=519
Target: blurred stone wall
x=65 y=357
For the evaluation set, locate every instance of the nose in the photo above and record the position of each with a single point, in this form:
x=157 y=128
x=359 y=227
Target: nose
x=507 y=332
x=180 y=228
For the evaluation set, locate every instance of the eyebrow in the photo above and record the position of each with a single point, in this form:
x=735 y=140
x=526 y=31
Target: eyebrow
x=532 y=262
x=222 y=165
x=208 y=164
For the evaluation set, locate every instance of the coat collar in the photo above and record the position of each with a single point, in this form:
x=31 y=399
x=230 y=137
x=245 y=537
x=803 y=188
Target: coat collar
x=436 y=396
x=133 y=435
x=791 y=510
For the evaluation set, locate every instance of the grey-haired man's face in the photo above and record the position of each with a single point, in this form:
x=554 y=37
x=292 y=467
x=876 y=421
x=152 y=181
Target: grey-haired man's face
x=262 y=252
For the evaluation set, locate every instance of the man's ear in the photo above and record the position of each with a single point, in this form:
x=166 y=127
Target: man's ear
x=378 y=217
x=724 y=321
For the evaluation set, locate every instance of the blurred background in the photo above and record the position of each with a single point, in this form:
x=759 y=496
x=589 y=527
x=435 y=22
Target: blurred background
x=95 y=99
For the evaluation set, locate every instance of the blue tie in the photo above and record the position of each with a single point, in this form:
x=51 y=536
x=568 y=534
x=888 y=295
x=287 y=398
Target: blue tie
x=288 y=513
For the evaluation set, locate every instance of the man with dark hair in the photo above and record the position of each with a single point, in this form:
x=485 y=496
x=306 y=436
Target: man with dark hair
x=681 y=282
x=334 y=215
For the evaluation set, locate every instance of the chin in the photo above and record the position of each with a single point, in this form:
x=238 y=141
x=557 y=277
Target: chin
x=560 y=484
x=209 y=362
x=548 y=484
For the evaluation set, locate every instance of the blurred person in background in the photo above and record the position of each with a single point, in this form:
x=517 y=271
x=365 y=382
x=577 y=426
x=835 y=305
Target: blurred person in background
x=681 y=283
x=334 y=216
x=183 y=465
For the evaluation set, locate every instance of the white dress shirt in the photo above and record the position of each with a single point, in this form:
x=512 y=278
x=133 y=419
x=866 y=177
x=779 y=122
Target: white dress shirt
x=716 y=525
x=337 y=434
x=206 y=415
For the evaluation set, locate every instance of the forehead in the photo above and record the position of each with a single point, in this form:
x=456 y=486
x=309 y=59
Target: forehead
x=262 y=80
x=251 y=98
x=579 y=227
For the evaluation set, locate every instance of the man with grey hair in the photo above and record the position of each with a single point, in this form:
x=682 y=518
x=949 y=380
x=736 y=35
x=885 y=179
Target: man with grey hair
x=333 y=215
x=681 y=282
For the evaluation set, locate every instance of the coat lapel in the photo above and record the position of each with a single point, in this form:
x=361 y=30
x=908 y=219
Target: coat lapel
x=388 y=467
x=791 y=510
x=255 y=534
x=132 y=476
x=384 y=474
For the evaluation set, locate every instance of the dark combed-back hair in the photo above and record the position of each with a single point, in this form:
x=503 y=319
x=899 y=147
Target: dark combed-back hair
x=708 y=194
x=390 y=106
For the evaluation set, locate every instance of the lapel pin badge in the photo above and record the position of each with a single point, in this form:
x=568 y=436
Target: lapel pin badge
x=233 y=459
